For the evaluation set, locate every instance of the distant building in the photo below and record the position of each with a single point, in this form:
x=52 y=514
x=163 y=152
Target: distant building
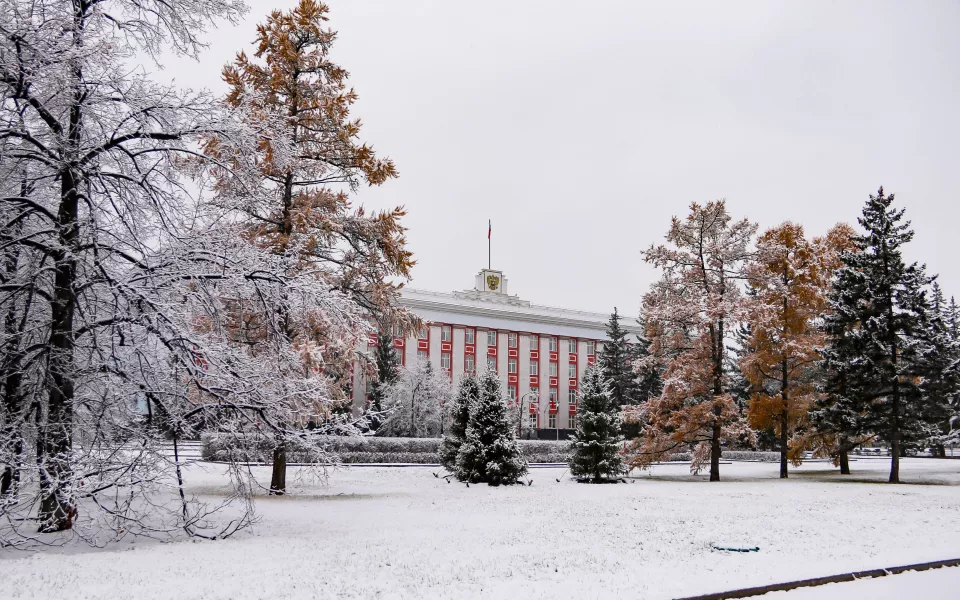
x=539 y=352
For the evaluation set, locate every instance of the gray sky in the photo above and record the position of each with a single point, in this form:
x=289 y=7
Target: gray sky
x=581 y=128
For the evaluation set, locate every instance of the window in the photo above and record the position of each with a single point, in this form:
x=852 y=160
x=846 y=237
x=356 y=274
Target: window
x=534 y=342
x=445 y=333
x=572 y=346
x=572 y=370
x=533 y=420
x=553 y=369
x=572 y=396
x=445 y=361
x=553 y=395
x=422 y=333
x=491 y=338
x=491 y=363
x=512 y=366
x=552 y=422
x=599 y=348
x=468 y=336
x=512 y=393
x=534 y=367
x=573 y=420
x=553 y=344
x=512 y=340
x=534 y=394
x=591 y=347
x=422 y=356
x=469 y=363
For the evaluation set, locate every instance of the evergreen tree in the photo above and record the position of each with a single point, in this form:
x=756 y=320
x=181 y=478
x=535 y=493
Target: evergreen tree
x=388 y=369
x=952 y=319
x=942 y=383
x=616 y=361
x=489 y=452
x=880 y=339
x=596 y=449
x=467 y=394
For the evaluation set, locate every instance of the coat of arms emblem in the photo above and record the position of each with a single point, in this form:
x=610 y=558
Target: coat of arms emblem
x=493 y=282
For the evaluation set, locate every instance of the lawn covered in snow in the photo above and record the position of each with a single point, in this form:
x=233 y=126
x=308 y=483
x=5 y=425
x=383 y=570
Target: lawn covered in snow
x=402 y=533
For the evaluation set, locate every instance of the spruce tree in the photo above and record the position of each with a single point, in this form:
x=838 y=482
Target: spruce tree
x=596 y=449
x=489 y=453
x=388 y=368
x=880 y=338
x=942 y=383
x=616 y=358
x=467 y=393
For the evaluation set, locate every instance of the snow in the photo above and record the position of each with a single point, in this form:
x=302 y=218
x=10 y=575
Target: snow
x=402 y=533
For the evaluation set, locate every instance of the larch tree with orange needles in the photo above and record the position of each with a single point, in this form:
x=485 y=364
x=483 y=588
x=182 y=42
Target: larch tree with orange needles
x=689 y=314
x=789 y=278
x=308 y=158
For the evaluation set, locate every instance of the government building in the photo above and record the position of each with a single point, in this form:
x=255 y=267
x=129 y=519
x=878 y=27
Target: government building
x=539 y=352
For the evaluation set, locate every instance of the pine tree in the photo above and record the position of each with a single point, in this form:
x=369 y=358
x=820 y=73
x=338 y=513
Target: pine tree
x=489 y=453
x=596 y=448
x=880 y=345
x=388 y=367
x=616 y=360
x=468 y=392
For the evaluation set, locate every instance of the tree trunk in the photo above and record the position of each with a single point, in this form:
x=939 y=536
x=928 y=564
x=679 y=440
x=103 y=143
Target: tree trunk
x=715 y=454
x=844 y=458
x=895 y=460
x=278 y=480
x=56 y=510
x=784 y=418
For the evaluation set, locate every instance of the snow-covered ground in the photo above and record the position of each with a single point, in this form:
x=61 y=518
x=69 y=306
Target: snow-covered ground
x=402 y=533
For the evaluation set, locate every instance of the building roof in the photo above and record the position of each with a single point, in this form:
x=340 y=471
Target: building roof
x=495 y=309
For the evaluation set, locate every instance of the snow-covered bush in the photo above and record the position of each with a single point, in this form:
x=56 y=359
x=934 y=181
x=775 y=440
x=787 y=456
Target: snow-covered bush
x=414 y=402
x=221 y=447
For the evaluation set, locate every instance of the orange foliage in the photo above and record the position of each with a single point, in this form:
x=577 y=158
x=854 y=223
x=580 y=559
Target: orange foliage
x=789 y=281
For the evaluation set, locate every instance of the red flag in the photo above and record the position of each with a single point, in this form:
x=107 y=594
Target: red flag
x=489 y=228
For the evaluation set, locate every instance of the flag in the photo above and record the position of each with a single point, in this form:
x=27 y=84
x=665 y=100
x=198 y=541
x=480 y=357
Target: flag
x=489 y=228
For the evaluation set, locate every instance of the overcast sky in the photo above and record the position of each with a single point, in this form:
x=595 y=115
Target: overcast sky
x=580 y=128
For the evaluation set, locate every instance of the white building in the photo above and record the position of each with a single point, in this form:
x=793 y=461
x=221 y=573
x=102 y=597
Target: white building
x=540 y=352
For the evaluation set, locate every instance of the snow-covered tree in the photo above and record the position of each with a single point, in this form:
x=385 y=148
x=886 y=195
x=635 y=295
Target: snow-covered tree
x=789 y=279
x=690 y=313
x=387 y=371
x=308 y=157
x=942 y=384
x=468 y=392
x=595 y=451
x=414 y=402
x=880 y=349
x=97 y=247
x=489 y=453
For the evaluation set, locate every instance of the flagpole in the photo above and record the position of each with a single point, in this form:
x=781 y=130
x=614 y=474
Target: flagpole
x=489 y=232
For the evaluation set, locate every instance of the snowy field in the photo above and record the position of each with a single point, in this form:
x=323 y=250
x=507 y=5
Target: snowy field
x=402 y=533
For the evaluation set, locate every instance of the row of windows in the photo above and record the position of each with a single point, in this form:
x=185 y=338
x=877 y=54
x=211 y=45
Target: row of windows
x=446 y=335
x=470 y=364
x=552 y=421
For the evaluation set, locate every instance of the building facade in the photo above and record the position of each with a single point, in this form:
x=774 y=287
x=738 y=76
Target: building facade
x=539 y=352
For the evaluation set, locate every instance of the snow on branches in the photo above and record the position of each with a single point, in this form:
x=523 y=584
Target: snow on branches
x=415 y=400
x=689 y=313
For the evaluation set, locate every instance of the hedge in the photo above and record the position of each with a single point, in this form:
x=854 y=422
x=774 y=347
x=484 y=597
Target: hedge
x=387 y=450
